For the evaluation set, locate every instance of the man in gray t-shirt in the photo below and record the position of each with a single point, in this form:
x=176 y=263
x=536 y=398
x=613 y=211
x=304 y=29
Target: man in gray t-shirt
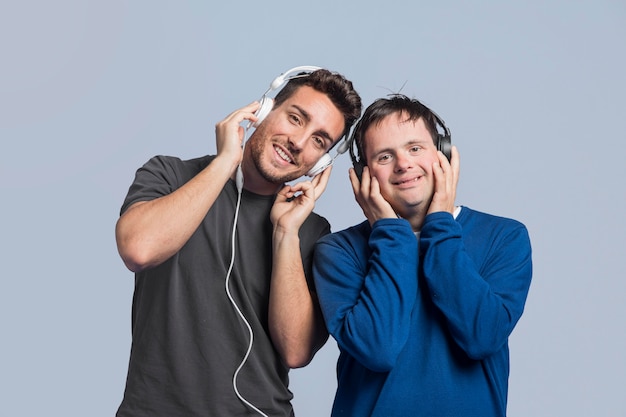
x=219 y=318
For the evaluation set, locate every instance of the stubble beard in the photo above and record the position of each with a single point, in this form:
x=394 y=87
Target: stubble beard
x=267 y=172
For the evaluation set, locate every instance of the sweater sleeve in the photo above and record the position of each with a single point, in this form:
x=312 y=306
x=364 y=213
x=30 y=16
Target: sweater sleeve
x=480 y=289
x=367 y=289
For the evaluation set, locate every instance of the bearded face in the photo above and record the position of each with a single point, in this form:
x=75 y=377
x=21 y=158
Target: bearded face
x=292 y=138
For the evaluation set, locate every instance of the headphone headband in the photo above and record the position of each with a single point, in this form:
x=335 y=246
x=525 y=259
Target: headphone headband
x=287 y=75
x=266 y=104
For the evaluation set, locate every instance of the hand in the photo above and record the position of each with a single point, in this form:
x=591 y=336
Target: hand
x=446 y=179
x=367 y=194
x=229 y=133
x=294 y=203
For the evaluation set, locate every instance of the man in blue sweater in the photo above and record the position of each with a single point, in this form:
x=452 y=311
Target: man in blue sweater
x=423 y=295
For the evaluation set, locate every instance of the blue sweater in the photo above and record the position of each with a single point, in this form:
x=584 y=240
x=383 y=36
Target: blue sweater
x=424 y=335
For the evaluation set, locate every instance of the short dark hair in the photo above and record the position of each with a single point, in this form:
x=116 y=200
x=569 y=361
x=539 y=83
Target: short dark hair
x=338 y=89
x=413 y=109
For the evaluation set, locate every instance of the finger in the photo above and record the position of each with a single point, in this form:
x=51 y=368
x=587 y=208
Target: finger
x=321 y=181
x=456 y=164
x=446 y=170
x=440 y=178
x=244 y=113
x=443 y=161
x=438 y=173
x=355 y=181
x=366 y=181
x=301 y=191
x=377 y=206
x=235 y=115
x=450 y=170
x=374 y=187
x=284 y=193
x=356 y=186
x=248 y=108
x=356 y=189
x=375 y=195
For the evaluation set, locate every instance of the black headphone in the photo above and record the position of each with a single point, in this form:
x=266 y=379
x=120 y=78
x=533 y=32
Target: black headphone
x=267 y=104
x=442 y=141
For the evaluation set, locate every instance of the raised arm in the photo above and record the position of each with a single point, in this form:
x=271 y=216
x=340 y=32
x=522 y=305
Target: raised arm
x=480 y=288
x=150 y=232
x=367 y=285
x=296 y=324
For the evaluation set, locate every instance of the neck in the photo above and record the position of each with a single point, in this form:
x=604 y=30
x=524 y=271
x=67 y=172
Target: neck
x=254 y=182
x=415 y=218
x=416 y=223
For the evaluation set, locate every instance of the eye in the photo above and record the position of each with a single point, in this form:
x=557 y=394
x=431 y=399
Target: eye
x=384 y=158
x=415 y=148
x=295 y=119
x=319 y=142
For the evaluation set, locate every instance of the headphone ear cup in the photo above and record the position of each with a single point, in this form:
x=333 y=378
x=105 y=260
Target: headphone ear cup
x=444 y=144
x=323 y=163
x=357 y=161
x=264 y=109
x=358 y=168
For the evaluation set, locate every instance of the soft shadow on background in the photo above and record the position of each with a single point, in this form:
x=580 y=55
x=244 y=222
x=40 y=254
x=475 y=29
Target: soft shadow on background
x=532 y=92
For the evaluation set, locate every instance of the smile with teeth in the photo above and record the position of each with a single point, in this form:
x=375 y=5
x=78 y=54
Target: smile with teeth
x=406 y=181
x=283 y=155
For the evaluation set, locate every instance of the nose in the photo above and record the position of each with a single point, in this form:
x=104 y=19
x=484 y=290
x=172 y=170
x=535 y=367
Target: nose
x=403 y=162
x=297 y=141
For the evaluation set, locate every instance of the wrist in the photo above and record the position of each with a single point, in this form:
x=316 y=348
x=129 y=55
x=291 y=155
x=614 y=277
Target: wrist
x=229 y=162
x=282 y=237
x=285 y=233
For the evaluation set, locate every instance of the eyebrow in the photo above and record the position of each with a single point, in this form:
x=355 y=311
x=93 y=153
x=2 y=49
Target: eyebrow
x=323 y=133
x=410 y=142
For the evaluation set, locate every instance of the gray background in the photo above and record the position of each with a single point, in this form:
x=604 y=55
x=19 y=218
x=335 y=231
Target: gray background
x=533 y=93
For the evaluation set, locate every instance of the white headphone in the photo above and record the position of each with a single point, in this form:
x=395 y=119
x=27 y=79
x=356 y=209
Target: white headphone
x=267 y=104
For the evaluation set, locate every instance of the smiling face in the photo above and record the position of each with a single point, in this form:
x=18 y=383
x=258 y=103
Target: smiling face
x=293 y=137
x=400 y=154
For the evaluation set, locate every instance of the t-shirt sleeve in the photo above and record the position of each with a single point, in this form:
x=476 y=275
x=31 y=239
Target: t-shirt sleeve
x=311 y=231
x=156 y=178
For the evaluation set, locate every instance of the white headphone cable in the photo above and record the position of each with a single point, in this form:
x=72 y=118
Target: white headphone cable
x=239 y=180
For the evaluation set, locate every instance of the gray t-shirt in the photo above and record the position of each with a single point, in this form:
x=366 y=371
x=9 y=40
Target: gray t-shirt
x=188 y=339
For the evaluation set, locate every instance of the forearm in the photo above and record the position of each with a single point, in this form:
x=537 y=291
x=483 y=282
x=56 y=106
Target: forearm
x=150 y=232
x=482 y=297
x=367 y=291
x=296 y=325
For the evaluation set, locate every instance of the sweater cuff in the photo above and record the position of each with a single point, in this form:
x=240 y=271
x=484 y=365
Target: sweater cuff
x=390 y=222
